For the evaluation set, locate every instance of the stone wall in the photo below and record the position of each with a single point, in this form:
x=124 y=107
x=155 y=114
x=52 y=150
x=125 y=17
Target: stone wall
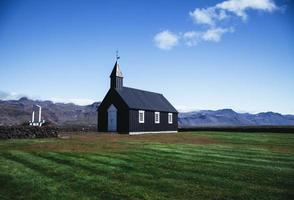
x=17 y=132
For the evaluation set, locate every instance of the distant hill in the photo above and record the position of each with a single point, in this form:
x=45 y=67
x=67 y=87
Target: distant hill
x=15 y=112
x=228 y=117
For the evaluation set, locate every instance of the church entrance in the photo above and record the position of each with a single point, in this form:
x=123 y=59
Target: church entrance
x=112 y=118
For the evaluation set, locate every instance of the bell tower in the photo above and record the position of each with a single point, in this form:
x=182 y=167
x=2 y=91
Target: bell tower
x=116 y=76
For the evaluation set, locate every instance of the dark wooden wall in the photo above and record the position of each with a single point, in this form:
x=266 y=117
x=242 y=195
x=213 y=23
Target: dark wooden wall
x=112 y=97
x=116 y=82
x=149 y=125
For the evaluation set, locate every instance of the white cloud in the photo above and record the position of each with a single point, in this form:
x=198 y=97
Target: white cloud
x=239 y=7
x=215 y=34
x=10 y=95
x=192 y=38
x=166 y=40
x=15 y=96
x=208 y=16
x=203 y=15
x=225 y=9
x=213 y=18
x=77 y=101
x=222 y=15
x=182 y=108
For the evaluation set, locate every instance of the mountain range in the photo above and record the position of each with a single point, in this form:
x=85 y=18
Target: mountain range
x=228 y=117
x=16 y=112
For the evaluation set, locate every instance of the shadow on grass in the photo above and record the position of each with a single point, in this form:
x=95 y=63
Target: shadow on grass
x=120 y=173
x=208 y=172
x=66 y=177
x=158 y=173
x=179 y=171
x=12 y=189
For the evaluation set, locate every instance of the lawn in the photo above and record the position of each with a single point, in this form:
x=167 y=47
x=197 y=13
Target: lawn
x=198 y=165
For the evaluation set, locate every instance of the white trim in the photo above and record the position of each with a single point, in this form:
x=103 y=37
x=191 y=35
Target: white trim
x=157 y=121
x=143 y=120
x=168 y=118
x=147 y=132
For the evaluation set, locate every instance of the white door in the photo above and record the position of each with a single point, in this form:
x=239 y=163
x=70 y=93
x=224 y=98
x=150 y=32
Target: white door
x=112 y=118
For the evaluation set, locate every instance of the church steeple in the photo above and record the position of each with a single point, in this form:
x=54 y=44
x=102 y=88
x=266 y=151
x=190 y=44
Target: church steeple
x=116 y=76
x=116 y=71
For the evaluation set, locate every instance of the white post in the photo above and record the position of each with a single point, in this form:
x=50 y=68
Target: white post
x=40 y=111
x=33 y=116
x=40 y=114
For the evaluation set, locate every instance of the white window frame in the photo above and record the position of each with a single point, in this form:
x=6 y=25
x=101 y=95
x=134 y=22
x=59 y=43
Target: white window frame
x=143 y=118
x=170 y=118
x=157 y=121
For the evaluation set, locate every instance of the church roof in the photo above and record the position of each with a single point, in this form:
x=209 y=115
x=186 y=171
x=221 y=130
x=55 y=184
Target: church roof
x=140 y=99
x=116 y=71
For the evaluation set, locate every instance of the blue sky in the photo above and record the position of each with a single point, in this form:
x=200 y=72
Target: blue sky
x=200 y=54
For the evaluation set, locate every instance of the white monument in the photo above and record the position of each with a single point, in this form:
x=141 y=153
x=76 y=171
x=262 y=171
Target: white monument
x=40 y=122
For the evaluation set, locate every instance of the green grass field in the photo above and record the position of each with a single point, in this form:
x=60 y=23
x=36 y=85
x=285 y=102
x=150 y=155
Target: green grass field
x=200 y=165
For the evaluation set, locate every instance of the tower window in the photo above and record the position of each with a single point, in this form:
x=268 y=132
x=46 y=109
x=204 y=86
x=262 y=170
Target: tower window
x=170 y=118
x=157 y=117
x=141 y=116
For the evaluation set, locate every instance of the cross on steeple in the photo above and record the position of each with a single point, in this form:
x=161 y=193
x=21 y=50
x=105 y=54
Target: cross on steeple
x=117 y=57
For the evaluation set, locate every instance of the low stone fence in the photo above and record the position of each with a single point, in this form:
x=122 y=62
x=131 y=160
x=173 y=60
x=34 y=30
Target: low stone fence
x=17 y=132
x=252 y=129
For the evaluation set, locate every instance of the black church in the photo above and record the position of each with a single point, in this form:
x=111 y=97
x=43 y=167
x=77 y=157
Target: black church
x=132 y=111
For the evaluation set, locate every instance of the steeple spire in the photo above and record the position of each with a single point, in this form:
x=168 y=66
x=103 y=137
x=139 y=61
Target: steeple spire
x=116 y=76
x=116 y=72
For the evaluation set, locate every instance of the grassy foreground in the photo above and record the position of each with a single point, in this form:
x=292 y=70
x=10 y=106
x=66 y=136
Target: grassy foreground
x=199 y=165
